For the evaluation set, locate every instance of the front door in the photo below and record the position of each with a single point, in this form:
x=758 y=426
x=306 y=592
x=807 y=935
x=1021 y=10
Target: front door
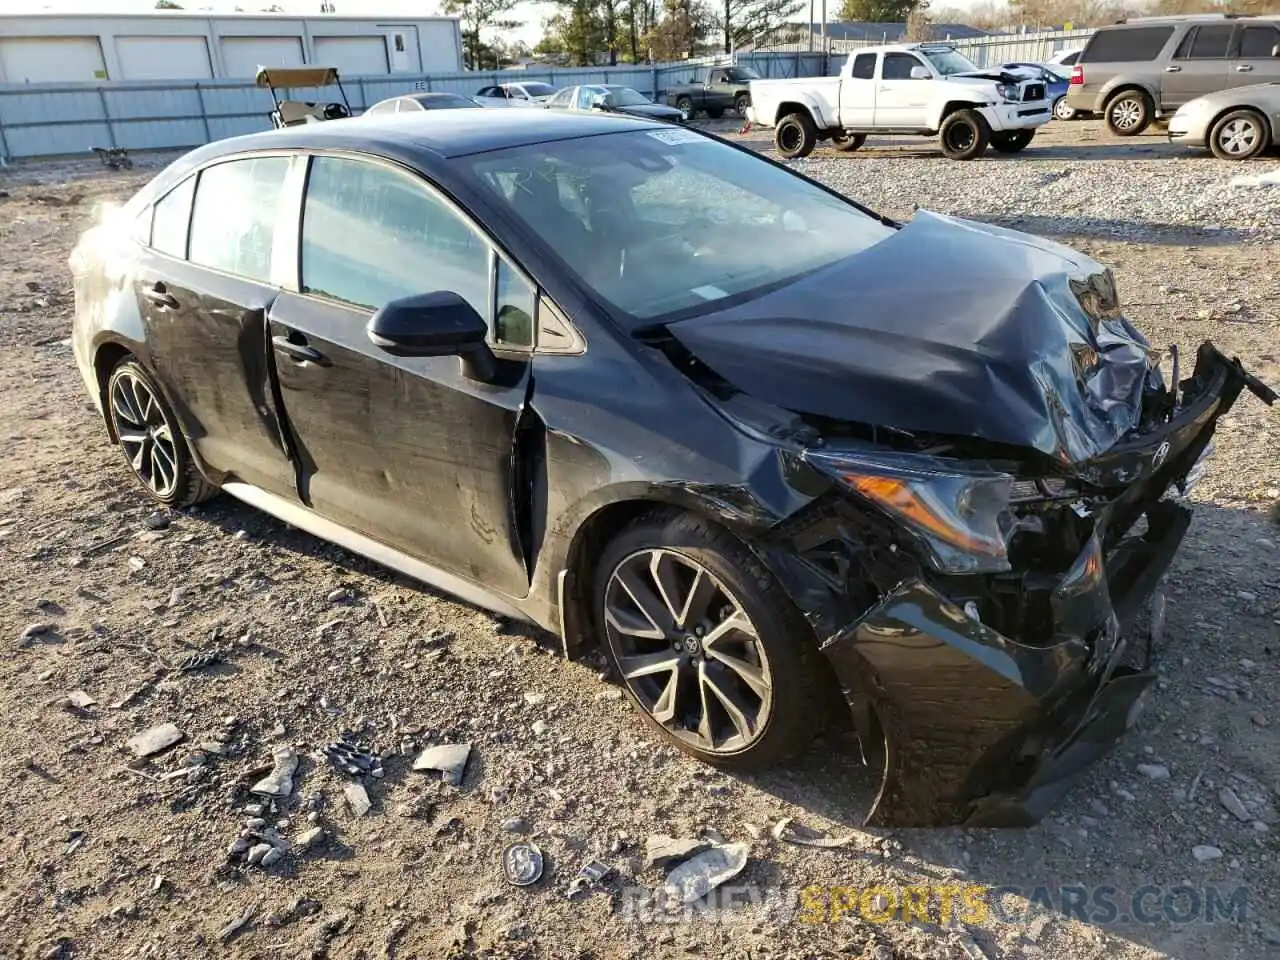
x=1255 y=60
x=407 y=451
x=1199 y=65
x=900 y=100
x=204 y=300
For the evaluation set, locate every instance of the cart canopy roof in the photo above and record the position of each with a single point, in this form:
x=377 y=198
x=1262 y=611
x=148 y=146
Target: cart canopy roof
x=297 y=76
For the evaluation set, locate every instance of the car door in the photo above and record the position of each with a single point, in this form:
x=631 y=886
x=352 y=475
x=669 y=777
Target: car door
x=900 y=101
x=858 y=92
x=716 y=92
x=406 y=450
x=1199 y=65
x=204 y=287
x=1254 y=59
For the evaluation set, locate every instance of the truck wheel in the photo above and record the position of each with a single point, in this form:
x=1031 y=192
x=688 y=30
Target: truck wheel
x=795 y=135
x=1011 y=141
x=740 y=104
x=848 y=142
x=1129 y=113
x=715 y=113
x=964 y=135
x=685 y=106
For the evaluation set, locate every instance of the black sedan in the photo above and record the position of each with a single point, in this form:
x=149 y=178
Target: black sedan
x=787 y=462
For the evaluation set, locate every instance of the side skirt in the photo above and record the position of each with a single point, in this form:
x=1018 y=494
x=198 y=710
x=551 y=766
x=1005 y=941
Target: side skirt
x=301 y=517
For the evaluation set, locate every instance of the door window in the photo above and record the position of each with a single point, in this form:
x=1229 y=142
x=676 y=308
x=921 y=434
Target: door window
x=898 y=66
x=1256 y=43
x=1206 y=43
x=585 y=95
x=864 y=66
x=172 y=217
x=371 y=235
x=234 y=216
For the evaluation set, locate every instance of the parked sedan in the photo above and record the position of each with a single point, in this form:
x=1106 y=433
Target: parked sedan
x=602 y=374
x=528 y=94
x=613 y=98
x=417 y=102
x=1236 y=124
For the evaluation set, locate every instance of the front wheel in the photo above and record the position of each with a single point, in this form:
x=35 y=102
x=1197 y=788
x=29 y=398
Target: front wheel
x=964 y=135
x=713 y=652
x=685 y=106
x=848 y=142
x=1012 y=141
x=795 y=135
x=1129 y=113
x=1063 y=110
x=741 y=103
x=1240 y=135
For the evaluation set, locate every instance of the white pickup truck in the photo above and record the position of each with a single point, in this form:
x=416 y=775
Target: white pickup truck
x=917 y=89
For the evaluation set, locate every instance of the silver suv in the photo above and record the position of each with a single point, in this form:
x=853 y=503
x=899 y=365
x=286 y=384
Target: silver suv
x=1147 y=67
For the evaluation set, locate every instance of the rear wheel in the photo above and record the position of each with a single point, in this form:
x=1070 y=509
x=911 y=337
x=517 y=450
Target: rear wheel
x=685 y=106
x=1240 y=135
x=795 y=135
x=151 y=440
x=964 y=135
x=848 y=142
x=1011 y=141
x=740 y=104
x=710 y=648
x=1129 y=113
x=1063 y=110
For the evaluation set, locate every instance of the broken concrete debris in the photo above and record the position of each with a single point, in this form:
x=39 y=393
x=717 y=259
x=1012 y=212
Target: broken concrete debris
x=522 y=863
x=156 y=740
x=279 y=782
x=449 y=758
x=357 y=799
x=695 y=878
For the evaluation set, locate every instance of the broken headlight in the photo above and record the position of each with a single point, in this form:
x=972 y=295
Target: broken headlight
x=963 y=517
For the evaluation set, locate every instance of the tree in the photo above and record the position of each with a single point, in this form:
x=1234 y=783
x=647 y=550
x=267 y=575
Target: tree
x=478 y=15
x=919 y=26
x=167 y=5
x=877 y=11
x=683 y=28
x=745 y=20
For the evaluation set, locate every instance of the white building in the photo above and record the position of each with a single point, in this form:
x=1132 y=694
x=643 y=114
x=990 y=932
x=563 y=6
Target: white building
x=183 y=45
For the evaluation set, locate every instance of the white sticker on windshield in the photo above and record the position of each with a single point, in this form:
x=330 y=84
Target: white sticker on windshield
x=673 y=137
x=709 y=292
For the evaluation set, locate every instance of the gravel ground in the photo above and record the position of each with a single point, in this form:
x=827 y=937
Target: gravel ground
x=109 y=855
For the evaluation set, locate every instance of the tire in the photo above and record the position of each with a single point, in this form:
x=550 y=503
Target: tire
x=964 y=135
x=685 y=106
x=160 y=459
x=1012 y=141
x=740 y=104
x=1239 y=135
x=715 y=113
x=706 y=567
x=795 y=135
x=848 y=142
x=1063 y=110
x=1129 y=113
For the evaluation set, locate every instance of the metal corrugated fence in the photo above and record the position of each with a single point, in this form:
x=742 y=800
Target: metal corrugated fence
x=59 y=119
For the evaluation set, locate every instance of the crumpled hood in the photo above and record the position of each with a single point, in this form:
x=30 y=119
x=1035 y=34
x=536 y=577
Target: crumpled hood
x=945 y=327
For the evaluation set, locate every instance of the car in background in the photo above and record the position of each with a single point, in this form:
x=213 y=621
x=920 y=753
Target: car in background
x=417 y=102
x=1066 y=58
x=524 y=94
x=716 y=90
x=1056 y=81
x=1236 y=124
x=1145 y=68
x=613 y=98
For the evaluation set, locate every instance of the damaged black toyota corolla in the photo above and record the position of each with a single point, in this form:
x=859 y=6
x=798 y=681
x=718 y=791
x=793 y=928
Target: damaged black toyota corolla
x=654 y=393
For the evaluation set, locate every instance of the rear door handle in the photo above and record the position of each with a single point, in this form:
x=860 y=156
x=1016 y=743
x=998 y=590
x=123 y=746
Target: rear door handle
x=1173 y=68
x=301 y=352
x=159 y=294
x=1244 y=67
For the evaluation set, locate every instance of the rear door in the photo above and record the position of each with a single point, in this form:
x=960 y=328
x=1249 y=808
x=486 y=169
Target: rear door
x=900 y=100
x=405 y=450
x=204 y=288
x=1199 y=65
x=858 y=92
x=1253 y=60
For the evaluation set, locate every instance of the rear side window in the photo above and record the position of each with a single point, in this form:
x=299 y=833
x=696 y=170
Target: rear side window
x=864 y=66
x=1206 y=43
x=1070 y=59
x=233 y=222
x=1120 y=46
x=1257 y=42
x=172 y=216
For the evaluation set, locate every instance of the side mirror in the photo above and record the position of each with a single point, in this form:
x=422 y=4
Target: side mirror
x=439 y=324
x=920 y=73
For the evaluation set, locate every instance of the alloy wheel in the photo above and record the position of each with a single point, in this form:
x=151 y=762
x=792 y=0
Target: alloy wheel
x=145 y=433
x=1126 y=114
x=1238 y=137
x=1063 y=110
x=688 y=651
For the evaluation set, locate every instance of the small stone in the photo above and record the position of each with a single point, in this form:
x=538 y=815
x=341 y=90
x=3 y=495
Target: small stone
x=1260 y=827
x=1204 y=852
x=156 y=740
x=80 y=700
x=309 y=838
x=1099 y=808
x=271 y=857
x=255 y=823
x=1258 y=719
x=1154 y=771
x=1124 y=794
x=1227 y=797
x=33 y=630
x=357 y=799
x=540 y=727
x=136 y=563
x=1247 y=596
x=534 y=698
x=340 y=595
x=515 y=825
x=1269 y=932
x=158 y=884
x=255 y=809
x=239 y=846
x=258 y=851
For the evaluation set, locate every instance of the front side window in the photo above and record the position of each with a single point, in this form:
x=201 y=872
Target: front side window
x=658 y=222
x=371 y=235
x=742 y=75
x=1258 y=42
x=234 y=216
x=172 y=217
x=898 y=66
x=864 y=66
x=587 y=94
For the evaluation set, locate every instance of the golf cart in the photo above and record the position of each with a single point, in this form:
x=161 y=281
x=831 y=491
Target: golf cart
x=290 y=113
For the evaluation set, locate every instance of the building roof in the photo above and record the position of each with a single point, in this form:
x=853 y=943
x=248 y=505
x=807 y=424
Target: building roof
x=892 y=32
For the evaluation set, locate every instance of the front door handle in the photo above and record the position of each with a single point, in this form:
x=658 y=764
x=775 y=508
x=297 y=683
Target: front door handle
x=159 y=294
x=300 y=352
x=1244 y=67
x=1173 y=68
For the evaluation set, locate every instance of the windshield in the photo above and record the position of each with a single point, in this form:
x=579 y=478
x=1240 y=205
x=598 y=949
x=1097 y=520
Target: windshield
x=658 y=222
x=742 y=74
x=626 y=97
x=538 y=89
x=948 y=62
